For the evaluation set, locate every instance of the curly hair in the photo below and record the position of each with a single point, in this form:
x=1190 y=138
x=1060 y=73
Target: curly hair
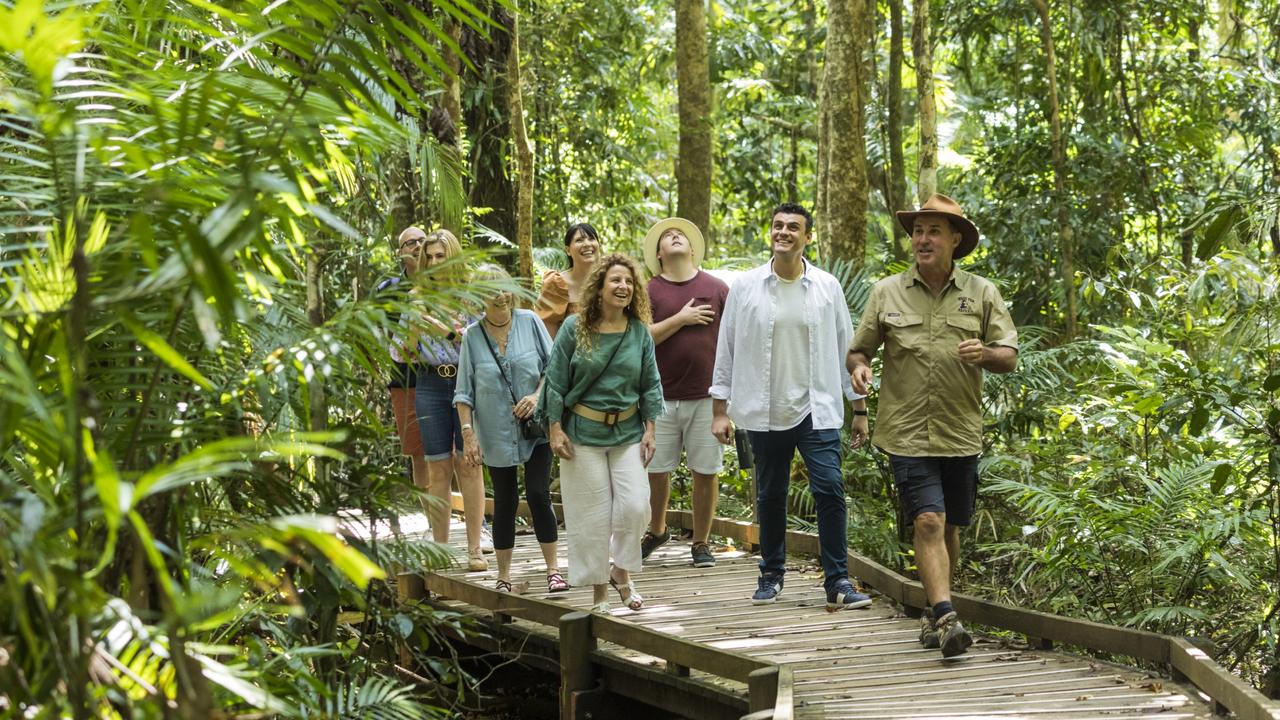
x=591 y=309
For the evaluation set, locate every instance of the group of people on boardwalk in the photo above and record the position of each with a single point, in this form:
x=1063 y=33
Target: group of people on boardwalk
x=618 y=377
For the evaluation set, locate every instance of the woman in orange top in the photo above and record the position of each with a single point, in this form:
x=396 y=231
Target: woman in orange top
x=558 y=297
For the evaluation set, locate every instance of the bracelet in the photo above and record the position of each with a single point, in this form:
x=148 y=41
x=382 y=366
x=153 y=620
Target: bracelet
x=860 y=413
x=466 y=427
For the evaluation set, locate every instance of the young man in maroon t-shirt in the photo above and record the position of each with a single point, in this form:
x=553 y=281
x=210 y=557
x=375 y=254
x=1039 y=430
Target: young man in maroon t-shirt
x=686 y=322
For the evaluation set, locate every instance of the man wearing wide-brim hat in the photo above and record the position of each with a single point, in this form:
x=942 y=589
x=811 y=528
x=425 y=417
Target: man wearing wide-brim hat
x=940 y=327
x=686 y=305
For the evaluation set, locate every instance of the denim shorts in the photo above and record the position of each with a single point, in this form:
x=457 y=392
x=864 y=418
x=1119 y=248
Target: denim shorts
x=437 y=418
x=937 y=484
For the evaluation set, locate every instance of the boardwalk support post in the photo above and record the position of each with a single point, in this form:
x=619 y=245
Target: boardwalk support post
x=579 y=687
x=762 y=689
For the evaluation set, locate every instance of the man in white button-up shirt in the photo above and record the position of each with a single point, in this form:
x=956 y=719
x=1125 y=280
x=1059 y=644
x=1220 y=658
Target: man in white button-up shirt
x=780 y=375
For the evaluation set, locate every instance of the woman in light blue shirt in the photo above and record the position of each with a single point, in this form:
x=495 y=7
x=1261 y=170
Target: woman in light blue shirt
x=504 y=355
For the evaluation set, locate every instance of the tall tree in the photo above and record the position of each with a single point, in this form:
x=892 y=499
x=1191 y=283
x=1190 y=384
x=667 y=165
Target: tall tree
x=842 y=145
x=693 y=77
x=897 y=188
x=487 y=114
x=1065 y=237
x=524 y=156
x=922 y=52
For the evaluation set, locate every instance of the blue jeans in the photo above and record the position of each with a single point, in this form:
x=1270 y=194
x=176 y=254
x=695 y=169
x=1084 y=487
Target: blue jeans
x=820 y=450
x=437 y=417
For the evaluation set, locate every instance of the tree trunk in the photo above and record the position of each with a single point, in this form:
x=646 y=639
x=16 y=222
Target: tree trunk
x=451 y=99
x=524 y=157
x=1060 y=199
x=487 y=114
x=845 y=204
x=893 y=98
x=404 y=208
x=693 y=78
x=922 y=52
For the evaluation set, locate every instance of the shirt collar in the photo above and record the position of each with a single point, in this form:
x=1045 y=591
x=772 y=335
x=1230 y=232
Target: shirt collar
x=959 y=277
x=773 y=277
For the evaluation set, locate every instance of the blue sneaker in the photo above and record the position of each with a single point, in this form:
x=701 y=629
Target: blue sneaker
x=844 y=597
x=768 y=589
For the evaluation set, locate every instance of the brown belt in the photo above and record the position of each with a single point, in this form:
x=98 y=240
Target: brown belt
x=608 y=418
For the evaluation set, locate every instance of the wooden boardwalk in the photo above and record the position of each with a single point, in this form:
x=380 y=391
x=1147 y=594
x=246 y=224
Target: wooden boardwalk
x=850 y=664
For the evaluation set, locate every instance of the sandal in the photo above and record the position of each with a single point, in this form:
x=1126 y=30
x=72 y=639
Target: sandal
x=628 y=594
x=601 y=607
x=556 y=583
x=503 y=586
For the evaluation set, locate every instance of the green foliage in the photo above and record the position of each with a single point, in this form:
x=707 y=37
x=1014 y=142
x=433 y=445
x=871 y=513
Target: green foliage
x=192 y=191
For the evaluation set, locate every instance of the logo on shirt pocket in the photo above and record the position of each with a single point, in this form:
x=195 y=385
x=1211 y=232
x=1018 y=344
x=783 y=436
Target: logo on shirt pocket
x=966 y=304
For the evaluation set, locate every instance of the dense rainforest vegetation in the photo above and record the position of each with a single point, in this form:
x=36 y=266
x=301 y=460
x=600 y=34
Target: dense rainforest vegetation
x=198 y=475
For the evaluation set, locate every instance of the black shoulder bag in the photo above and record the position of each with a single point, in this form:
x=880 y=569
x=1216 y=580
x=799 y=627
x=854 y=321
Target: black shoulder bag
x=533 y=427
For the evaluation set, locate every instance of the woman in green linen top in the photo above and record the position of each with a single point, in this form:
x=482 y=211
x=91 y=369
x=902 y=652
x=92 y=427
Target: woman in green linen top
x=601 y=395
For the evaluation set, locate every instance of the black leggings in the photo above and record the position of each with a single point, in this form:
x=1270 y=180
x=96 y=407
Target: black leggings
x=537 y=492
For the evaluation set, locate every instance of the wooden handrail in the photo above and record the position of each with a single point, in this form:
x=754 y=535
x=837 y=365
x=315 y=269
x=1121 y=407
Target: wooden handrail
x=1185 y=660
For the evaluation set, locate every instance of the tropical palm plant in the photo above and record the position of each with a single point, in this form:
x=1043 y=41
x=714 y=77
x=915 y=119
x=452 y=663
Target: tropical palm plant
x=190 y=192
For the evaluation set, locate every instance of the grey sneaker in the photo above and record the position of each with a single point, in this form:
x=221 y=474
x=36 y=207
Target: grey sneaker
x=651 y=542
x=769 y=586
x=702 y=557
x=928 y=633
x=953 y=637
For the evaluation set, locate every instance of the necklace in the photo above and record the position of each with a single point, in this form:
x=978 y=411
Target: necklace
x=496 y=325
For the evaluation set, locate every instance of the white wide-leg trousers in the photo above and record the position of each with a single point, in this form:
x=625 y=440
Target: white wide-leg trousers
x=605 y=491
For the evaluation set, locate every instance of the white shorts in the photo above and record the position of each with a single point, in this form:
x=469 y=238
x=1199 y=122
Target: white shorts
x=687 y=426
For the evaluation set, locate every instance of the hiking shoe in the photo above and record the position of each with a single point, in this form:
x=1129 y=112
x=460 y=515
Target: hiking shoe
x=651 y=542
x=702 y=557
x=952 y=635
x=844 y=597
x=769 y=586
x=929 y=636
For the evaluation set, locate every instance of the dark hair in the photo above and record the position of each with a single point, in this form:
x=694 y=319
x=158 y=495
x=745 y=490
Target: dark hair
x=791 y=208
x=573 y=230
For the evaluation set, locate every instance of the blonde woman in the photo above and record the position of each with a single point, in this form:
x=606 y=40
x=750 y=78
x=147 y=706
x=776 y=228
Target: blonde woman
x=438 y=420
x=504 y=354
x=601 y=396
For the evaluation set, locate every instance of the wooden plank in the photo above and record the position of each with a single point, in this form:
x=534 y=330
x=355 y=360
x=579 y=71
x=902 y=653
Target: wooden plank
x=1234 y=693
x=1012 y=683
x=1119 y=694
x=734 y=666
x=543 y=612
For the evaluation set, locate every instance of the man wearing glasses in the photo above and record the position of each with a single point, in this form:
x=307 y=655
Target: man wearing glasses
x=404 y=356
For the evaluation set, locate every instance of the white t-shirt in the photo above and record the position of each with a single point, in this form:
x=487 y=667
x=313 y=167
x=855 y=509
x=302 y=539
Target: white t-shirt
x=789 y=376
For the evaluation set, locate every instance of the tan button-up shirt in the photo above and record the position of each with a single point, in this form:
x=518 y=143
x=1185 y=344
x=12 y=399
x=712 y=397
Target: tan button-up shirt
x=930 y=401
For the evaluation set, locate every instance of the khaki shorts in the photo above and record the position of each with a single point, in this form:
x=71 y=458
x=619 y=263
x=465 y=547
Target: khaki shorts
x=406 y=422
x=687 y=426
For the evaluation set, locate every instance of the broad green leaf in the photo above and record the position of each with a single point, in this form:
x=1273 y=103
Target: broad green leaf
x=163 y=350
